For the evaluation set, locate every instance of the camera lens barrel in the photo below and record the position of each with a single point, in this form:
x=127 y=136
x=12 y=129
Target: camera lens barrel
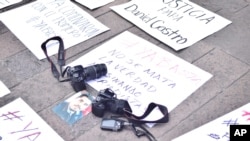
x=98 y=109
x=94 y=72
x=79 y=75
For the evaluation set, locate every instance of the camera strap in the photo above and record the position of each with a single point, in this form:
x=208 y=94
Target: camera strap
x=141 y=119
x=61 y=58
x=138 y=129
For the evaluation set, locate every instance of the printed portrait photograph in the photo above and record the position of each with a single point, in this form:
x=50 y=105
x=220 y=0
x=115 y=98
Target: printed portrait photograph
x=74 y=108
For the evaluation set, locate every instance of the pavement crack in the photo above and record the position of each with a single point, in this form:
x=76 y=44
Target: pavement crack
x=237 y=11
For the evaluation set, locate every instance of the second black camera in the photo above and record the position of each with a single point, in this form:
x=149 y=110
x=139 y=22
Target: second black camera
x=106 y=100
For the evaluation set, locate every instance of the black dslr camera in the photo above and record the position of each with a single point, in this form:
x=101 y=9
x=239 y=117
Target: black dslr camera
x=106 y=100
x=78 y=75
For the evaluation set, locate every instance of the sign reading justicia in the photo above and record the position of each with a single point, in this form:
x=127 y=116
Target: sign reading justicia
x=177 y=23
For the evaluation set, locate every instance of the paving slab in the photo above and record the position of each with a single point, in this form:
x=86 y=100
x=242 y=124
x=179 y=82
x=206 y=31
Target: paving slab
x=232 y=98
x=235 y=38
x=96 y=134
x=3 y=28
x=192 y=53
x=10 y=45
x=39 y=91
x=225 y=68
x=20 y=66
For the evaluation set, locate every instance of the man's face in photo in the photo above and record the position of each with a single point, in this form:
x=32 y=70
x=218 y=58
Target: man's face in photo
x=79 y=103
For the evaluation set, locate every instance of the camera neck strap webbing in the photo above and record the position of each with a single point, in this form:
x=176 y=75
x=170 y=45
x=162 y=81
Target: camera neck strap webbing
x=140 y=131
x=61 y=57
x=141 y=119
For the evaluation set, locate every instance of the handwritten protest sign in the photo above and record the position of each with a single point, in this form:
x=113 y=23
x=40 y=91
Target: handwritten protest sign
x=20 y=123
x=36 y=22
x=3 y=89
x=218 y=129
x=141 y=72
x=92 y=4
x=177 y=23
x=5 y=3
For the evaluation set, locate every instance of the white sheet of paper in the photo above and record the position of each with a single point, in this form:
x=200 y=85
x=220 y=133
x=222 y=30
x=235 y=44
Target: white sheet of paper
x=92 y=4
x=20 y=122
x=141 y=72
x=177 y=23
x=36 y=22
x=3 y=89
x=5 y=3
x=218 y=129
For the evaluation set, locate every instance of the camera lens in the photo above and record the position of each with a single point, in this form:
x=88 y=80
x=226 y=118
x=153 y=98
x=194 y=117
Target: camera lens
x=98 y=109
x=95 y=71
x=78 y=86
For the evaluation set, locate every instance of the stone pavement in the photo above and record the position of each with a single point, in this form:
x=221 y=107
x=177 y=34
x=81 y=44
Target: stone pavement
x=225 y=54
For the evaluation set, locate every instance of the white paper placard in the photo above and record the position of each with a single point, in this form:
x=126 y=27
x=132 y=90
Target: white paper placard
x=20 y=123
x=92 y=4
x=218 y=129
x=5 y=3
x=177 y=23
x=36 y=22
x=3 y=89
x=141 y=72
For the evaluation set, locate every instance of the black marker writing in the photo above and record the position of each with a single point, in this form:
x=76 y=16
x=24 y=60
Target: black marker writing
x=158 y=25
x=183 y=7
